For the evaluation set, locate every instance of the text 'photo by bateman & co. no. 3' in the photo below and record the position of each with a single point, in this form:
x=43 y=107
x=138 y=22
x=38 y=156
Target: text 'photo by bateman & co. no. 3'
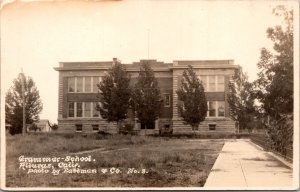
x=144 y=95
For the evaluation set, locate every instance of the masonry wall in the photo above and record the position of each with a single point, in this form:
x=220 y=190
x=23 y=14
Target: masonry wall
x=164 y=83
x=223 y=124
x=169 y=81
x=67 y=124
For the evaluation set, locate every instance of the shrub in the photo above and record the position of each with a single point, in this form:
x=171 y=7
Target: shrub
x=103 y=133
x=126 y=128
x=54 y=127
x=33 y=127
x=280 y=134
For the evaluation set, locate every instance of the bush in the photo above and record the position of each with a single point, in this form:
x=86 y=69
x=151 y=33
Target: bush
x=54 y=127
x=33 y=127
x=166 y=131
x=280 y=134
x=126 y=128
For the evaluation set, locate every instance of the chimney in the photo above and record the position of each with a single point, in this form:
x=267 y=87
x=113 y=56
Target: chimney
x=115 y=60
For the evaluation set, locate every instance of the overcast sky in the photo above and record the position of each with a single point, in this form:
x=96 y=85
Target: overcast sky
x=36 y=36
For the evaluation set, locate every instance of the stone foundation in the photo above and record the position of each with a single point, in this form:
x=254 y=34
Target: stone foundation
x=69 y=125
x=224 y=125
x=164 y=123
x=221 y=125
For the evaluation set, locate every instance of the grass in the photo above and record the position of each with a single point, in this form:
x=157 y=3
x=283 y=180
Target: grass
x=211 y=135
x=52 y=144
x=168 y=162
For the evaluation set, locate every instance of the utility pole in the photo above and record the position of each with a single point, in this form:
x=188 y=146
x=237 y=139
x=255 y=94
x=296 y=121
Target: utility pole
x=23 y=101
x=148 y=41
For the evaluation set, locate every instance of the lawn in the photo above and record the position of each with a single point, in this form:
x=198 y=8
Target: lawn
x=129 y=161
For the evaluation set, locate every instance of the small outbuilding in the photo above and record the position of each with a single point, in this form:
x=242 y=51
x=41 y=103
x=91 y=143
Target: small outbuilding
x=42 y=125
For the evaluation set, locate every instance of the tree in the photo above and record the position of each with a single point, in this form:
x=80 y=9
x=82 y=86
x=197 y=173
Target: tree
x=146 y=96
x=114 y=94
x=275 y=79
x=274 y=86
x=53 y=126
x=241 y=100
x=14 y=104
x=191 y=93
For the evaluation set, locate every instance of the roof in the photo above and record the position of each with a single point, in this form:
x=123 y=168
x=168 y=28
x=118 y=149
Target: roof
x=157 y=65
x=42 y=121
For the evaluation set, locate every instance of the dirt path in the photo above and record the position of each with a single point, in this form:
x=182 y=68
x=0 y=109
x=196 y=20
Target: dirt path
x=99 y=150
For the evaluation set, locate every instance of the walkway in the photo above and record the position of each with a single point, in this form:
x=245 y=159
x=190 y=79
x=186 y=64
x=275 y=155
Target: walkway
x=99 y=150
x=242 y=165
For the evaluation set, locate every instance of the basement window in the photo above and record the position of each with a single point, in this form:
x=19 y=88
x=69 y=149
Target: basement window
x=95 y=127
x=212 y=127
x=78 y=127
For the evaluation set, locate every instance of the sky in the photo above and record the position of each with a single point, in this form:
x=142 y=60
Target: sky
x=37 y=35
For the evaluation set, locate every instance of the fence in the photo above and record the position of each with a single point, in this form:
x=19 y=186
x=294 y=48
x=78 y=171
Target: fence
x=261 y=140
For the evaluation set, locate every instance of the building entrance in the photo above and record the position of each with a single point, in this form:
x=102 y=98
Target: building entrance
x=148 y=126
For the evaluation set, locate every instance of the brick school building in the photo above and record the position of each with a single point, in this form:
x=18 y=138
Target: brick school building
x=78 y=95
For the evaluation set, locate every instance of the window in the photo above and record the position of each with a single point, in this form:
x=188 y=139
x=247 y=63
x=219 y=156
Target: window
x=71 y=109
x=212 y=83
x=79 y=86
x=83 y=84
x=82 y=109
x=79 y=110
x=78 y=127
x=71 y=84
x=212 y=127
x=88 y=84
x=221 y=108
x=87 y=109
x=216 y=109
x=212 y=108
x=96 y=81
x=167 y=100
x=203 y=79
x=220 y=85
x=96 y=113
x=95 y=127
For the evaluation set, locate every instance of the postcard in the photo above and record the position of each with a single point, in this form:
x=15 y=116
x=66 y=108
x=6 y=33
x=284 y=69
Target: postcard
x=149 y=95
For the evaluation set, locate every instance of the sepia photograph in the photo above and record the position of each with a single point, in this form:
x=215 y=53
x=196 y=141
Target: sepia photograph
x=149 y=95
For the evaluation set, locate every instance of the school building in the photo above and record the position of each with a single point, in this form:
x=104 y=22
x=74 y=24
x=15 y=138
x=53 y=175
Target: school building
x=78 y=95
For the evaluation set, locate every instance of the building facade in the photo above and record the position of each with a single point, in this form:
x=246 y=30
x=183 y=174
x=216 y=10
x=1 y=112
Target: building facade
x=78 y=95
